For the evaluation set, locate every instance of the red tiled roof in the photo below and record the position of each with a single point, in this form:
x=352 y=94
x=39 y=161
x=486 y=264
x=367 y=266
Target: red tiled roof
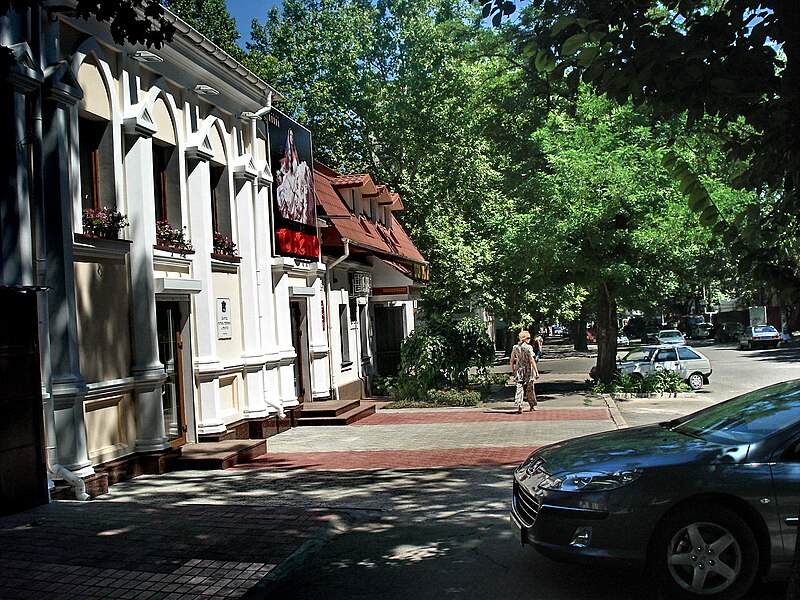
x=360 y=230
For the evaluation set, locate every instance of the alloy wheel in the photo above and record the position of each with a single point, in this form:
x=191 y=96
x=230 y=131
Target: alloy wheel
x=704 y=558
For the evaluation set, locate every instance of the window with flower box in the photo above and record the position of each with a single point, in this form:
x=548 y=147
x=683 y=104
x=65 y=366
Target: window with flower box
x=223 y=243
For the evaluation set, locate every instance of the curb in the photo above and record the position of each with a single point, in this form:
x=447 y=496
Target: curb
x=614 y=412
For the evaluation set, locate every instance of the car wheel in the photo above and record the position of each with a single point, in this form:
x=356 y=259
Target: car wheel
x=695 y=381
x=704 y=552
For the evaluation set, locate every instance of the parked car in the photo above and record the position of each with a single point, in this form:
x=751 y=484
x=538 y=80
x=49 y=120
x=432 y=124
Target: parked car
x=622 y=339
x=670 y=336
x=707 y=501
x=759 y=335
x=701 y=331
x=690 y=364
x=649 y=334
x=728 y=332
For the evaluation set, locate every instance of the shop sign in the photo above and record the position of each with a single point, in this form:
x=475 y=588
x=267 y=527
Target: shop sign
x=400 y=290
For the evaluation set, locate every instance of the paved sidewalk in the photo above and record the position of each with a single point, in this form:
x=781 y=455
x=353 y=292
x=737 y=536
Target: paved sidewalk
x=215 y=534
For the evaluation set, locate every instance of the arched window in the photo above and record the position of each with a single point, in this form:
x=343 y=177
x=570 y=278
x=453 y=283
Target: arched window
x=95 y=143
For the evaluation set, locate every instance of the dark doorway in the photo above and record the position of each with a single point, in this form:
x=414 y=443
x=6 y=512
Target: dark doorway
x=170 y=353
x=388 y=338
x=298 y=342
x=23 y=472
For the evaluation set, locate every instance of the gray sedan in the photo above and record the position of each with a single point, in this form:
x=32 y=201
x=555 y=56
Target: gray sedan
x=709 y=501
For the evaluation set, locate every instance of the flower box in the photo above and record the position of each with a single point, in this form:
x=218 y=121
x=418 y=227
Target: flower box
x=103 y=223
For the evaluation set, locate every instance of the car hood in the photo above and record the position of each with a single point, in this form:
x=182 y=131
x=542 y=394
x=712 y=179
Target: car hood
x=648 y=446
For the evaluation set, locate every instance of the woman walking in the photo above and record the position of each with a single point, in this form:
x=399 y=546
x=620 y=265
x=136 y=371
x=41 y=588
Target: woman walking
x=523 y=367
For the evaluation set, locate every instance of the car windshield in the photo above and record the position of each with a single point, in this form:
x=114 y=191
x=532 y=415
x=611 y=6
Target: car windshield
x=747 y=419
x=765 y=329
x=670 y=334
x=638 y=354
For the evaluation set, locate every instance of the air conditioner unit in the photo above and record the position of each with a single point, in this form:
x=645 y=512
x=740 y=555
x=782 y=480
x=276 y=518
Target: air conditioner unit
x=361 y=284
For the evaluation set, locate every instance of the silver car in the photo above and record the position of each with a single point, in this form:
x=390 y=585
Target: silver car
x=691 y=365
x=670 y=336
x=708 y=502
x=759 y=335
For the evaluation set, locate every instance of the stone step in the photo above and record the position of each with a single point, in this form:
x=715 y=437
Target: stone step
x=361 y=410
x=219 y=455
x=327 y=408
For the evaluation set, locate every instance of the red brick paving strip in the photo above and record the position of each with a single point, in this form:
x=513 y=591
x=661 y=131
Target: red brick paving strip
x=391 y=459
x=475 y=416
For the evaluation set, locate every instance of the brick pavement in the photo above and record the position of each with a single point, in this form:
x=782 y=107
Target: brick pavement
x=215 y=534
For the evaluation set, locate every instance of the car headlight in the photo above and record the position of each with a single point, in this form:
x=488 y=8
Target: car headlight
x=591 y=481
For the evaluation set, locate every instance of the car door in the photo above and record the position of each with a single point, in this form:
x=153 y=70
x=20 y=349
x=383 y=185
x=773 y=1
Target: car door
x=785 y=469
x=690 y=362
x=667 y=358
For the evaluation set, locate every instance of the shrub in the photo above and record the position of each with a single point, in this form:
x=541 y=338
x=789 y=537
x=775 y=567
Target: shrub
x=454 y=397
x=661 y=381
x=439 y=354
x=384 y=386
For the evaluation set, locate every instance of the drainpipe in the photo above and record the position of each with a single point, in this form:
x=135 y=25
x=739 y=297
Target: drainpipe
x=38 y=224
x=328 y=276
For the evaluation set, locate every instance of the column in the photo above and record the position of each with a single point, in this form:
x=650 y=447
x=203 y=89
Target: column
x=147 y=370
x=207 y=363
x=252 y=352
x=67 y=381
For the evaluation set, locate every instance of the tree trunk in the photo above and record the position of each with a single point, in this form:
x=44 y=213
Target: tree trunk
x=578 y=329
x=606 y=334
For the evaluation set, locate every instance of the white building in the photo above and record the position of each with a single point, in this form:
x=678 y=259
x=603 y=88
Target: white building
x=147 y=344
x=375 y=275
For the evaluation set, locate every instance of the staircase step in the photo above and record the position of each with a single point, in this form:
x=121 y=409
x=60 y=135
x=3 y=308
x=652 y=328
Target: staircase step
x=328 y=408
x=220 y=455
x=361 y=410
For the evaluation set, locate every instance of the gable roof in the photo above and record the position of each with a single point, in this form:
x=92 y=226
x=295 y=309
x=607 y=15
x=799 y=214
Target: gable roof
x=363 y=232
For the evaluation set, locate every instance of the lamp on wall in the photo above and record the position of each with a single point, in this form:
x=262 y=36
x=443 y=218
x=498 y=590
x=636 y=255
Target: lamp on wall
x=205 y=90
x=145 y=56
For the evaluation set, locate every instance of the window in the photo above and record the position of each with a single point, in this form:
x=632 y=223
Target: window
x=220 y=202
x=165 y=185
x=363 y=321
x=667 y=355
x=93 y=147
x=687 y=354
x=344 y=334
x=353 y=309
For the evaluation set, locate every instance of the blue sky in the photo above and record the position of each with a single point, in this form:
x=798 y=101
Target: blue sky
x=244 y=11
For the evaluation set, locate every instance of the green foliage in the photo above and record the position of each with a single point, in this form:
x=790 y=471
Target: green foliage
x=384 y=385
x=454 y=397
x=403 y=89
x=212 y=19
x=660 y=382
x=439 y=353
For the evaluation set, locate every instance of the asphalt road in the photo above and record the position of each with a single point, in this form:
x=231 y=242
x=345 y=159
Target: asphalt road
x=464 y=548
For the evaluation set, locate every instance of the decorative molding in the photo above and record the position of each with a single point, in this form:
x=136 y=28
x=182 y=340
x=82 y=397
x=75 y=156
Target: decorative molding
x=24 y=73
x=222 y=263
x=93 y=248
x=245 y=169
x=61 y=84
x=178 y=285
x=112 y=387
x=139 y=121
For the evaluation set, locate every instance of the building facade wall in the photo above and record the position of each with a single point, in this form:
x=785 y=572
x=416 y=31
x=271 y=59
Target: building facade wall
x=101 y=318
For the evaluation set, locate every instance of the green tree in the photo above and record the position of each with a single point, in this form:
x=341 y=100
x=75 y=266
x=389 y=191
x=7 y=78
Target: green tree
x=212 y=19
x=731 y=66
x=396 y=88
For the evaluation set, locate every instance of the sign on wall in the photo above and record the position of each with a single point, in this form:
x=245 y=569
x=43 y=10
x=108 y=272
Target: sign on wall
x=223 y=318
x=293 y=174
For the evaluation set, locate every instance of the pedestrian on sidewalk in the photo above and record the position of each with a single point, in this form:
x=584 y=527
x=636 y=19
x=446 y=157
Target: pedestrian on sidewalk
x=523 y=366
x=537 y=344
